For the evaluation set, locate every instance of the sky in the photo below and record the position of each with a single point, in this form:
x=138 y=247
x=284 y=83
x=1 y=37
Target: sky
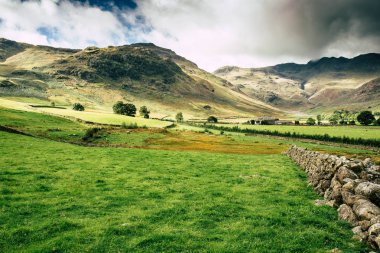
x=211 y=33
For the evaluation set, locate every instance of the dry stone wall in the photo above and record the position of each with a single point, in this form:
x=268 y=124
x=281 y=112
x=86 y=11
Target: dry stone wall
x=351 y=185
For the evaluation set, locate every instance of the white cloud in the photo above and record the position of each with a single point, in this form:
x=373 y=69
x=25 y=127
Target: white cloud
x=75 y=25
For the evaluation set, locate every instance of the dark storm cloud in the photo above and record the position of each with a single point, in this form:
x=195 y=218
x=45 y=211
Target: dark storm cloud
x=319 y=24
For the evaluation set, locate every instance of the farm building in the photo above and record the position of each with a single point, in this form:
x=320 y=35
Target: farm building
x=265 y=121
x=283 y=122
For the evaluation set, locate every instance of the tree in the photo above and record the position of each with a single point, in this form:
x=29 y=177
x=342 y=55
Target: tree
x=365 y=118
x=319 y=119
x=334 y=119
x=297 y=122
x=144 y=112
x=212 y=119
x=310 y=121
x=124 y=109
x=179 y=117
x=78 y=107
x=378 y=121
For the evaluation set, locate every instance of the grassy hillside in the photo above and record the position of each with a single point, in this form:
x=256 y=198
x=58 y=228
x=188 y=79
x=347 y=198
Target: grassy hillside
x=61 y=197
x=143 y=74
x=94 y=116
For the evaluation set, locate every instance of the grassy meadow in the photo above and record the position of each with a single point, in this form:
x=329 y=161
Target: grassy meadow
x=100 y=117
x=158 y=190
x=60 y=197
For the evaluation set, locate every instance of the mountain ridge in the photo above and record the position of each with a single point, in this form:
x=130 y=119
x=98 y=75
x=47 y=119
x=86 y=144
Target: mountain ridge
x=142 y=73
x=290 y=85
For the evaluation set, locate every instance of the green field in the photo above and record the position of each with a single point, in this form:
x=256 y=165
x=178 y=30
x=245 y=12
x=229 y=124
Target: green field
x=365 y=132
x=101 y=117
x=160 y=191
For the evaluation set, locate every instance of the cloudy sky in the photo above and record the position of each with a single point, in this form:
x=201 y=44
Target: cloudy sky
x=212 y=33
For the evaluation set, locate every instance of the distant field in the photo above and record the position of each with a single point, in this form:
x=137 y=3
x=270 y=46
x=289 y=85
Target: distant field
x=93 y=116
x=365 y=132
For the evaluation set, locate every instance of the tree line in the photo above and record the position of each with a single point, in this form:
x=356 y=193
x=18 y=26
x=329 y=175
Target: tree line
x=344 y=117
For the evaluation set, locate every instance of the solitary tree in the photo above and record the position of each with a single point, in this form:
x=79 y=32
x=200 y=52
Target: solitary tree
x=212 y=119
x=365 y=118
x=319 y=119
x=78 y=107
x=310 y=121
x=144 y=112
x=179 y=117
x=124 y=109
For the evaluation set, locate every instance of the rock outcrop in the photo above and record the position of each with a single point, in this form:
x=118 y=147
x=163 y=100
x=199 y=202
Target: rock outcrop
x=351 y=185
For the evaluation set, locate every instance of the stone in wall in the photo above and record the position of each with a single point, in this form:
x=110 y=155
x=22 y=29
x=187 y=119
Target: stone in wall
x=351 y=185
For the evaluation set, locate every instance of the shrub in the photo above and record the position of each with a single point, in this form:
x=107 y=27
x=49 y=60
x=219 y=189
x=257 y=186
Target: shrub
x=179 y=117
x=310 y=121
x=90 y=133
x=52 y=104
x=212 y=119
x=378 y=121
x=124 y=109
x=78 y=107
x=352 y=122
x=297 y=122
x=129 y=126
x=365 y=118
x=144 y=112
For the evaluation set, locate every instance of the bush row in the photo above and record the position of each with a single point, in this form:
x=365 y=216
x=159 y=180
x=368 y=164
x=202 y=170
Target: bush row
x=319 y=137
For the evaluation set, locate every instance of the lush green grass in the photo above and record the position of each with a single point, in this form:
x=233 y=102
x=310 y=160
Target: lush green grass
x=64 y=198
x=43 y=125
x=241 y=195
x=365 y=132
x=101 y=117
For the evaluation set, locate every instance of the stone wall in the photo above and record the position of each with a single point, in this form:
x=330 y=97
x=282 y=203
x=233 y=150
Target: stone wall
x=351 y=185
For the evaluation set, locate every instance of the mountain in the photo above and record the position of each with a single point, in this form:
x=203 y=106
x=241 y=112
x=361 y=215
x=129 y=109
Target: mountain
x=325 y=84
x=141 y=73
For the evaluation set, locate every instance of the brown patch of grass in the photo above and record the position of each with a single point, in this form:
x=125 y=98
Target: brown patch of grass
x=194 y=141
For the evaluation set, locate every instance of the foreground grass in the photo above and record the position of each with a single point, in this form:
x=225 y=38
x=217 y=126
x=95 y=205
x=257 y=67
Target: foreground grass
x=63 y=198
x=365 y=132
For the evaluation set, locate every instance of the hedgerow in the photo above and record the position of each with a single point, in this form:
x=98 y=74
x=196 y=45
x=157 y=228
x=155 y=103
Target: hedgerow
x=319 y=137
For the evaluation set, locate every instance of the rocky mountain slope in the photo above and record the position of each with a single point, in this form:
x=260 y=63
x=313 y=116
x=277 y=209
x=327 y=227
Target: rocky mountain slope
x=140 y=73
x=324 y=84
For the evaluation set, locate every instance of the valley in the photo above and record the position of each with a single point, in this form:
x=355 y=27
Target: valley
x=92 y=178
